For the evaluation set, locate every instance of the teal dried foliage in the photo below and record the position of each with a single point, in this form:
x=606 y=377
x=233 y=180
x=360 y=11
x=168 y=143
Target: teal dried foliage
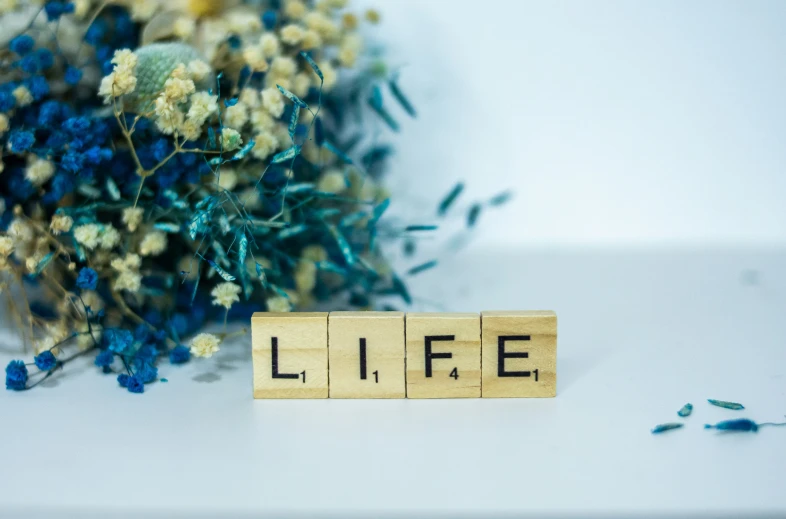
x=662 y=428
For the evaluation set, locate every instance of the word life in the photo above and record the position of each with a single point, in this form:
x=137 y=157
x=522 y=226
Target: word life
x=397 y=355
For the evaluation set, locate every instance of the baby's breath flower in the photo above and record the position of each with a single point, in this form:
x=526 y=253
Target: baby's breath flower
x=270 y=45
x=169 y=117
x=273 y=101
x=39 y=171
x=332 y=181
x=6 y=246
x=130 y=263
x=300 y=84
x=264 y=144
x=305 y=276
x=254 y=57
x=295 y=9
x=350 y=21
x=278 y=304
x=60 y=223
x=261 y=120
x=184 y=27
x=177 y=90
x=88 y=235
x=109 y=238
x=81 y=7
x=314 y=253
x=228 y=179
x=203 y=105
x=292 y=34
x=153 y=244
x=4 y=124
x=373 y=16
x=22 y=95
x=329 y=74
x=21 y=232
x=198 y=69
x=128 y=277
x=236 y=116
x=311 y=40
x=191 y=130
x=322 y=24
x=132 y=217
x=143 y=10
x=274 y=81
x=230 y=139
x=283 y=66
x=243 y=22
x=122 y=80
x=226 y=294
x=249 y=97
x=204 y=345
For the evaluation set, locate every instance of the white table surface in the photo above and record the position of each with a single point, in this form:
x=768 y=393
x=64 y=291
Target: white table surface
x=640 y=334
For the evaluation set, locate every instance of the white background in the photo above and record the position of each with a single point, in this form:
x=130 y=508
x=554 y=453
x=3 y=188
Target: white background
x=615 y=122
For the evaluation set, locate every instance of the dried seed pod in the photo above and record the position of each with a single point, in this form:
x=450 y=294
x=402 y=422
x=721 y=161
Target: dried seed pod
x=666 y=427
x=726 y=405
x=686 y=410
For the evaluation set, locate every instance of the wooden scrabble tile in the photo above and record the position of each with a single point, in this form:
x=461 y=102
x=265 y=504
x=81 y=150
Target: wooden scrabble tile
x=519 y=354
x=443 y=355
x=366 y=352
x=290 y=354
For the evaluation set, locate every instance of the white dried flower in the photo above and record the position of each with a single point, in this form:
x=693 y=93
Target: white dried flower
x=21 y=232
x=22 y=95
x=230 y=139
x=169 y=117
x=130 y=263
x=249 y=97
x=132 y=217
x=295 y=9
x=191 y=130
x=184 y=27
x=131 y=281
x=198 y=69
x=278 y=304
x=332 y=181
x=311 y=40
x=236 y=116
x=269 y=44
x=292 y=34
x=273 y=101
x=226 y=294
x=254 y=57
x=261 y=120
x=60 y=223
x=227 y=179
x=88 y=235
x=203 y=105
x=39 y=171
x=177 y=90
x=4 y=124
x=109 y=238
x=283 y=66
x=204 y=345
x=264 y=144
x=6 y=246
x=143 y=10
x=305 y=276
x=300 y=84
x=153 y=244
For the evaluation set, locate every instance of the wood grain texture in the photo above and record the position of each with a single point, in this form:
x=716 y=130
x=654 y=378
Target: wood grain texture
x=533 y=333
x=301 y=342
x=454 y=377
x=366 y=352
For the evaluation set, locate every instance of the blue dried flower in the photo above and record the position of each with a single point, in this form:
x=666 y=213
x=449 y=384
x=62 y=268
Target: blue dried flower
x=269 y=19
x=45 y=360
x=45 y=58
x=72 y=75
x=21 y=140
x=135 y=384
x=180 y=354
x=104 y=359
x=148 y=373
x=123 y=379
x=38 y=87
x=118 y=340
x=29 y=64
x=55 y=9
x=22 y=44
x=7 y=100
x=87 y=279
x=15 y=375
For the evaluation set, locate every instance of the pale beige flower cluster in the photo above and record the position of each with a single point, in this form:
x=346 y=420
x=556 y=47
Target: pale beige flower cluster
x=122 y=79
